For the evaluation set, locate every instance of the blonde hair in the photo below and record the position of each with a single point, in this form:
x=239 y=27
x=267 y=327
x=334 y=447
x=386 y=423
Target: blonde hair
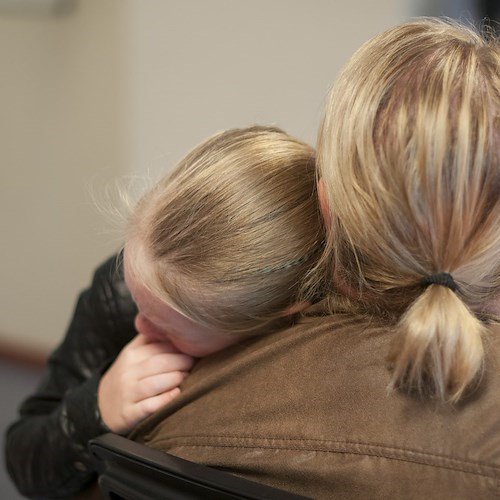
x=227 y=237
x=408 y=153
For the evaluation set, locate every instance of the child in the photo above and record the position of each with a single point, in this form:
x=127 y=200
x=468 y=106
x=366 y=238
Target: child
x=214 y=253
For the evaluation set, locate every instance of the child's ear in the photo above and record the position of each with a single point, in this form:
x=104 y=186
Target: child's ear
x=295 y=308
x=324 y=205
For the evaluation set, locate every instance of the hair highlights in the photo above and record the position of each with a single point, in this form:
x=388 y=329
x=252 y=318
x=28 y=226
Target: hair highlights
x=409 y=155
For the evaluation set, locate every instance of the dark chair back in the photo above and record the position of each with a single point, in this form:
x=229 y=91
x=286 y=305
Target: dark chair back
x=132 y=471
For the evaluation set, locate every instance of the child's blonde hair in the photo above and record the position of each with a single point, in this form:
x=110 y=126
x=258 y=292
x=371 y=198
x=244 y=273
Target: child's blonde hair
x=408 y=153
x=227 y=237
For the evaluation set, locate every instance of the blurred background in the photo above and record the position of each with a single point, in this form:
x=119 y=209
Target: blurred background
x=95 y=92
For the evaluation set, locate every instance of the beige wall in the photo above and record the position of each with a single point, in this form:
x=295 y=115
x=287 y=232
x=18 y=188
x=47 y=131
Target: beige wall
x=60 y=131
x=128 y=86
x=198 y=67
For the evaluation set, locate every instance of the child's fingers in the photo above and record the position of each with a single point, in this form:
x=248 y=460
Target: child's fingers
x=141 y=349
x=152 y=349
x=163 y=363
x=148 y=340
x=141 y=340
x=158 y=384
x=148 y=406
x=138 y=340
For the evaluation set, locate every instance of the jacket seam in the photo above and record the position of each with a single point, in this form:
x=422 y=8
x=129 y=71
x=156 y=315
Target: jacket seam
x=349 y=448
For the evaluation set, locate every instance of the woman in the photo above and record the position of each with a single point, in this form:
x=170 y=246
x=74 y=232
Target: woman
x=410 y=174
x=389 y=388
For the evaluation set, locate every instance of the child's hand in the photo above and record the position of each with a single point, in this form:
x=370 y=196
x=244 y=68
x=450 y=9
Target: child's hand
x=143 y=378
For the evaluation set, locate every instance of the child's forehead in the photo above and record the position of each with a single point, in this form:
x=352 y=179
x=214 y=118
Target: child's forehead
x=147 y=302
x=127 y=272
x=148 y=305
x=136 y=287
x=133 y=259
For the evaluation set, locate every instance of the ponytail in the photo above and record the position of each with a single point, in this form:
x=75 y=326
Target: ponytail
x=438 y=347
x=409 y=159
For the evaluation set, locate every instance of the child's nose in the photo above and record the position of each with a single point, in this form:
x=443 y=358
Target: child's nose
x=146 y=328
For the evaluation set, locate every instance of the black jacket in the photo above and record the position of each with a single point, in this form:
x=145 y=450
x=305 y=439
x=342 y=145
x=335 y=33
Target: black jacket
x=46 y=448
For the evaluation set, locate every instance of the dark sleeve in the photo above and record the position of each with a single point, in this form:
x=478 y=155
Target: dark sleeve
x=46 y=447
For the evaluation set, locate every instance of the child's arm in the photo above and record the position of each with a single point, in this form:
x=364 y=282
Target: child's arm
x=46 y=447
x=144 y=377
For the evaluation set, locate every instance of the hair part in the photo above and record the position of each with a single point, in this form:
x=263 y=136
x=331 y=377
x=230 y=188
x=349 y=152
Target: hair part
x=409 y=154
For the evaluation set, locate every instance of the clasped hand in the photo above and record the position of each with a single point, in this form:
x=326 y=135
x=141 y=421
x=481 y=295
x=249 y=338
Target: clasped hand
x=144 y=377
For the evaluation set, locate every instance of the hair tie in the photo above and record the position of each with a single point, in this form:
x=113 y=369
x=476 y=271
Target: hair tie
x=443 y=279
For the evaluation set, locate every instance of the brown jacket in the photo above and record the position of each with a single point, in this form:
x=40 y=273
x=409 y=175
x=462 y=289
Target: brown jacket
x=307 y=410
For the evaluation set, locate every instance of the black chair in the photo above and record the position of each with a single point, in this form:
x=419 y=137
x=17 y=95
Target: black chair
x=131 y=471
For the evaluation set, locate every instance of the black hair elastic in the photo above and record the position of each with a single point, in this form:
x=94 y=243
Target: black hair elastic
x=443 y=279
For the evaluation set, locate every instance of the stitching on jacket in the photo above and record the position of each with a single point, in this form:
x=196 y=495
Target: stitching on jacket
x=357 y=448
